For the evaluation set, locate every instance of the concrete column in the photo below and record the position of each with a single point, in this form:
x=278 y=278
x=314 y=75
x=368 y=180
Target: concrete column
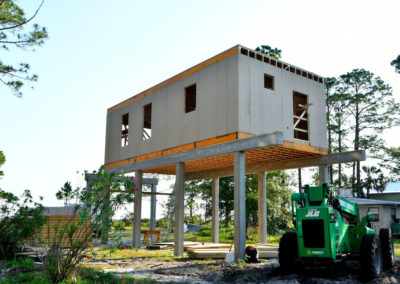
x=153 y=202
x=262 y=208
x=323 y=174
x=239 y=170
x=137 y=211
x=179 y=207
x=215 y=210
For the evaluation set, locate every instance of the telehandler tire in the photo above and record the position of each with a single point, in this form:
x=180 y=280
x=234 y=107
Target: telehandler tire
x=370 y=257
x=288 y=252
x=385 y=237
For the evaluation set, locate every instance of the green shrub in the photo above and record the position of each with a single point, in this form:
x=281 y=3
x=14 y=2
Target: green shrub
x=20 y=219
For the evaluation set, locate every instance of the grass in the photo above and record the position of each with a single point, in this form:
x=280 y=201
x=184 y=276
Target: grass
x=166 y=255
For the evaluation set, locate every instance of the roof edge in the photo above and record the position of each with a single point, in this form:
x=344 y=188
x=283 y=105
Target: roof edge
x=215 y=59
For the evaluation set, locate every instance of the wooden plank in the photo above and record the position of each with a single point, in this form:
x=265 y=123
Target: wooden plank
x=242 y=135
x=304 y=147
x=224 y=55
x=182 y=148
x=216 y=140
x=151 y=155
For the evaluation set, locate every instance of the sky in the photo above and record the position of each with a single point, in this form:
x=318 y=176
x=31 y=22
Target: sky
x=100 y=53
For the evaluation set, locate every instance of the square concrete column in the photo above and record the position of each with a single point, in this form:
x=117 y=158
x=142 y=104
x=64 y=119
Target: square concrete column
x=239 y=170
x=179 y=207
x=137 y=211
x=323 y=174
x=153 y=202
x=262 y=208
x=215 y=210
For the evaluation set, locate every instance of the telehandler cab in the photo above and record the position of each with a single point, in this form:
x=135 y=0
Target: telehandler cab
x=328 y=230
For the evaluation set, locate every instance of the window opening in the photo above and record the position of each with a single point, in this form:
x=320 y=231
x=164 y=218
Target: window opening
x=393 y=214
x=374 y=213
x=124 y=129
x=300 y=116
x=268 y=82
x=147 y=122
x=190 y=98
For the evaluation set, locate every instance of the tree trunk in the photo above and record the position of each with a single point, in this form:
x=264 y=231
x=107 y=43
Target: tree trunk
x=356 y=147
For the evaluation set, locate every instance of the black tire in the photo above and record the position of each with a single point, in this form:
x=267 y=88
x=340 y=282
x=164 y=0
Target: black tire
x=385 y=237
x=370 y=257
x=288 y=252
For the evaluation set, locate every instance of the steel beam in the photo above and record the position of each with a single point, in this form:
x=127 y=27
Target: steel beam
x=137 y=211
x=337 y=158
x=91 y=177
x=215 y=210
x=262 y=208
x=179 y=207
x=240 y=205
x=251 y=143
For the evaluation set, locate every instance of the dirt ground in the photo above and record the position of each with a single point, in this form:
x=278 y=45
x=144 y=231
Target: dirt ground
x=214 y=271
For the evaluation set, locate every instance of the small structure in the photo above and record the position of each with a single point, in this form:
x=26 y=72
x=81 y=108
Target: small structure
x=384 y=213
x=57 y=219
x=391 y=193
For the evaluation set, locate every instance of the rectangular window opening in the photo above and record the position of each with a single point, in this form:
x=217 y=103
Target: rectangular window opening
x=252 y=54
x=304 y=74
x=124 y=129
x=279 y=64
x=147 y=122
x=309 y=76
x=272 y=62
x=244 y=51
x=298 y=72
x=300 y=116
x=374 y=213
x=190 y=98
x=266 y=59
x=268 y=82
x=259 y=57
x=292 y=69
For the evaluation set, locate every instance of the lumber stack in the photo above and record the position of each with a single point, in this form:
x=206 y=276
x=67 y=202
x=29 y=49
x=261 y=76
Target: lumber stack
x=264 y=251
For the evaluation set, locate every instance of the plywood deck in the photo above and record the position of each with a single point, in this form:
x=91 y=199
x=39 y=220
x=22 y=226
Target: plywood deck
x=288 y=151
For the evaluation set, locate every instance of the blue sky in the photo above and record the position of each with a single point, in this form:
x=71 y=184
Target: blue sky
x=102 y=52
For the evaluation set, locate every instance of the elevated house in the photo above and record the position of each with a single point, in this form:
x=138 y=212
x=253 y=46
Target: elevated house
x=236 y=94
x=235 y=113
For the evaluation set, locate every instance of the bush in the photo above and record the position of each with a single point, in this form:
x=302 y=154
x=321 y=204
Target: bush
x=20 y=219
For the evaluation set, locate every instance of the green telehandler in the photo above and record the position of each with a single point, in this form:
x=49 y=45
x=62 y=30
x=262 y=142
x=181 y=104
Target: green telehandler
x=328 y=230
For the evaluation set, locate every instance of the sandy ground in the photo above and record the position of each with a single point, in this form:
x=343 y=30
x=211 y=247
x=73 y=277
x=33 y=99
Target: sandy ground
x=212 y=271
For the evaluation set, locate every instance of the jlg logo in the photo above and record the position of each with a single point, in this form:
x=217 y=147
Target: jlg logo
x=312 y=213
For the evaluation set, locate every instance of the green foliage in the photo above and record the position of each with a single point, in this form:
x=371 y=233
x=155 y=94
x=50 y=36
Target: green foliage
x=20 y=219
x=66 y=193
x=396 y=64
x=98 y=204
x=360 y=106
x=391 y=161
x=272 y=52
x=20 y=262
x=374 y=179
x=13 y=33
x=2 y=161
